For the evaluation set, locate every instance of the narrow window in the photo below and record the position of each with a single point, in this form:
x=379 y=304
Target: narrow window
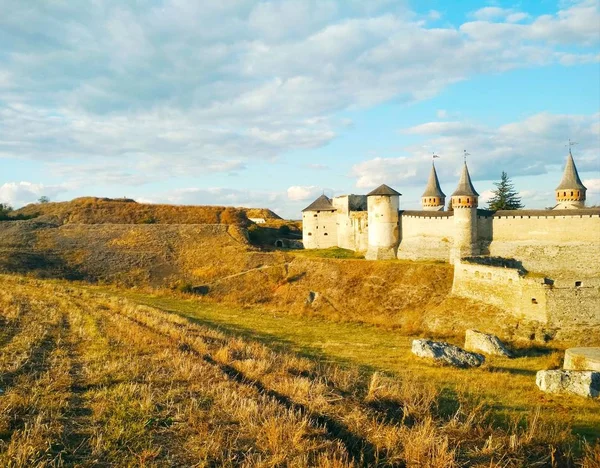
x=577 y=193
x=564 y=194
x=468 y=200
x=577 y=284
x=571 y=193
x=459 y=201
x=325 y=234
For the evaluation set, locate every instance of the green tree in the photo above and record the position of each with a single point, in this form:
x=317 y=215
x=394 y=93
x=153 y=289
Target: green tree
x=43 y=199
x=505 y=196
x=5 y=210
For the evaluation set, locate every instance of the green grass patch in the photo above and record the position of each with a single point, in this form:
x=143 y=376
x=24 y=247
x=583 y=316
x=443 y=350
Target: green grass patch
x=507 y=386
x=332 y=252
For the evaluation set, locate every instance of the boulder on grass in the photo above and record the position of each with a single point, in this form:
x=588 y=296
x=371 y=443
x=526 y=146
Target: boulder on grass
x=446 y=353
x=582 y=359
x=583 y=383
x=485 y=343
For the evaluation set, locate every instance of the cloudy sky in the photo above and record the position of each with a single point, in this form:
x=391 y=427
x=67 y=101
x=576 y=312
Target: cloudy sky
x=270 y=103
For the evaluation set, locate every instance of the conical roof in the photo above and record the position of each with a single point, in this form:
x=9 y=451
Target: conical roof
x=465 y=186
x=433 y=188
x=570 y=179
x=384 y=190
x=320 y=204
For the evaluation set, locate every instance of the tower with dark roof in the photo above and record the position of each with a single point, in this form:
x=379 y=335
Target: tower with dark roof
x=464 y=204
x=319 y=224
x=570 y=193
x=383 y=204
x=433 y=199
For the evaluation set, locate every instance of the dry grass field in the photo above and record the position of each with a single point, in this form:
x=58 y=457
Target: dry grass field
x=95 y=379
x=92 y=210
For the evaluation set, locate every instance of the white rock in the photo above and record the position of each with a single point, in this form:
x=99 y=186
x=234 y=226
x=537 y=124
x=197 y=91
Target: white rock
x=582 y=359
x=446 y=353
x=485 y=343
x=583 y=383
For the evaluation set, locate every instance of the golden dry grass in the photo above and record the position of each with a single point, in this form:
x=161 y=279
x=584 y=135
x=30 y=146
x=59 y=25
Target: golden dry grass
x=91 y=210
x=91 y=379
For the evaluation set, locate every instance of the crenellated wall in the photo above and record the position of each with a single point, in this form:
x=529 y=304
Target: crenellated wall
x=425 y=235
x=557 y=243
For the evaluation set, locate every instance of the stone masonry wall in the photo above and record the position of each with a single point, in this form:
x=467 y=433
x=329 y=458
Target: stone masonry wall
x=426 y=235
x=545 y=241
x=352 y=231
x=502 y=287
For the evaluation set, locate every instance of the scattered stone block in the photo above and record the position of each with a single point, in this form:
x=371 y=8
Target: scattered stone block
x=582 y=383
x=446 y=353
x=582 y=359
x=477 y=341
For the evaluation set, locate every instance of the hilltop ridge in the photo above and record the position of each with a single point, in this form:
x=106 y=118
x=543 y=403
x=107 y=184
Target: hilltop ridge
x=95 y=210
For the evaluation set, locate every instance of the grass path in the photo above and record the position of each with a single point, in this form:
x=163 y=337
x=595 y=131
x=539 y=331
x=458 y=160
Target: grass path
x=505 y=385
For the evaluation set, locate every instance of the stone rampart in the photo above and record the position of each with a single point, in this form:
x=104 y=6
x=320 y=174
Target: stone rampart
x=557 y=243
x=426 y=235
x=506 y=288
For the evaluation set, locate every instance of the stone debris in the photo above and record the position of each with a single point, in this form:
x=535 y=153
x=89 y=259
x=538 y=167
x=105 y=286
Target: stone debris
x=583 y=383
x=446 y=353
x=477 y=341
x=583 y=359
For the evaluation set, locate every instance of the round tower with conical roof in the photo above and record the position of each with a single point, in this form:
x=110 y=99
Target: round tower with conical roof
x=433 y=199
x=464 y=204
x=570 y=193
x=383 y=204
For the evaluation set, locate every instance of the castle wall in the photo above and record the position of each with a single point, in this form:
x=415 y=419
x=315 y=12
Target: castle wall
x=353 y=233
x=319 y=229
x=571 y=305
x=425 y=235
x=502 y=287
x=556 y=243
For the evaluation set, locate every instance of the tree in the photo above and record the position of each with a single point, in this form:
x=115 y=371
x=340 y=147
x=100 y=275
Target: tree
x=5 y=210
x=43 y=199
x=505 y=196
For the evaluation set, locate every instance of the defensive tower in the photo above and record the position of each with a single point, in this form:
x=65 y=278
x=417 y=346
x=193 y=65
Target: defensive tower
x=383 y=204
x=570 y=193
x=464 y=203
x=433 y=199
x=319 y=224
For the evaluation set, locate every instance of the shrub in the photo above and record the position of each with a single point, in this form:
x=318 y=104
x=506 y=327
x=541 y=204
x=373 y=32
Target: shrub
x=284 y=230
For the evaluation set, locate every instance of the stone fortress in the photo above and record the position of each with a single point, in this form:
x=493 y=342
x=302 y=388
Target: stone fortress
x=538 y=265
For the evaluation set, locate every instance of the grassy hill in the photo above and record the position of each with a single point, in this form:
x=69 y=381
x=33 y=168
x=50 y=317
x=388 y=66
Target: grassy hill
x=90 y=210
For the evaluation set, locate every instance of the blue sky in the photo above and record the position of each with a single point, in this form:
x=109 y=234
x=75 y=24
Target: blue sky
x=271 y=103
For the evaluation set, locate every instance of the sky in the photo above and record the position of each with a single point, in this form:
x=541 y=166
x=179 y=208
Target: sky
x=272 y=103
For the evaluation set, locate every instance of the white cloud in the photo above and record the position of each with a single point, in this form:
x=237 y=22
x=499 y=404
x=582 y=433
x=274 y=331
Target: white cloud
x=532 y=146
x=17 y=194
x=131 y=94
x=490 y=13
x=592 y=185
x=297 y=193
